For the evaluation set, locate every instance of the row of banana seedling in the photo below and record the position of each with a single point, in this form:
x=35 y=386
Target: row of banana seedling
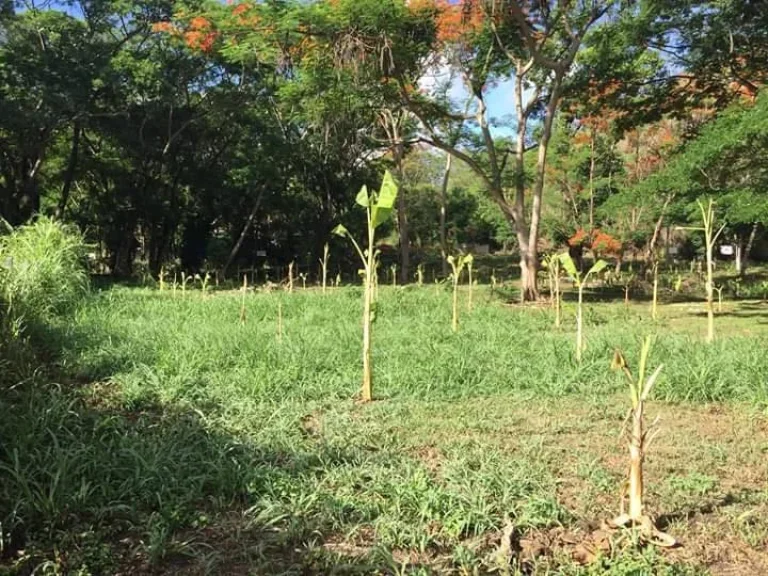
x=378 y=208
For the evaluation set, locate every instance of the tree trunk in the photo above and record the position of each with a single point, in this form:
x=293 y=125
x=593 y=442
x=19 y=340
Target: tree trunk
x=742 y=256
x=529 y=291
x=530 y=287
x=405 y=241
x=402 y=205
x=657 y=228
x=69 y=175
x=243 y=234
x=443 y=214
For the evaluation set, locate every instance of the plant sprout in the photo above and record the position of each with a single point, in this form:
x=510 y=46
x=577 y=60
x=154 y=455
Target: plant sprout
x=457 y=265
x=184 y=280
x=580 y=282
x=638 y=440
x=719 y=290
x=420 y=274
x=242 y=304
x=552 y=265
x=204 y=280
x=393 y=271
x=303 y=277
x=162 y=278
x=378 y=209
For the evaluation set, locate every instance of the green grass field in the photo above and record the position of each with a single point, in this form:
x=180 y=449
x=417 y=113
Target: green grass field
x=176 y=440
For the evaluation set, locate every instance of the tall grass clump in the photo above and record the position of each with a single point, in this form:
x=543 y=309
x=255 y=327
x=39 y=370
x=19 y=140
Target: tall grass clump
x=42 y=275
x=43 y=272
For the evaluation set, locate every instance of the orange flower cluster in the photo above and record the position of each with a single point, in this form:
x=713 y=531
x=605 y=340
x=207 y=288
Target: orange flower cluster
x=603 y=243
x=198 y=40
x=166 y=27
x=199 y=35
x=598 y=241
x=578 y=238
x=454 y=19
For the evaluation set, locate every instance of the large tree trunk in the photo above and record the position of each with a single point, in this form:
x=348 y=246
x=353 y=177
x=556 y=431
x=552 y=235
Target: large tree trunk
x=443 y=213
x=243 y=234
x=530 y=289
x=69 y=175
x=743 y=251
x=123 y=249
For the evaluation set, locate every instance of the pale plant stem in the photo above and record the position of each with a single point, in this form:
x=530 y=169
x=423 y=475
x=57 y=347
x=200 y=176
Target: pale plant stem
x=367 y=391
x=580 y=324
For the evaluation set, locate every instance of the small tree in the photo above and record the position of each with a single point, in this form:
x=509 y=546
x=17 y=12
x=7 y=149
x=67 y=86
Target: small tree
x=457 y=265
x=378 y=209
x=638 y=440
x=580 y=282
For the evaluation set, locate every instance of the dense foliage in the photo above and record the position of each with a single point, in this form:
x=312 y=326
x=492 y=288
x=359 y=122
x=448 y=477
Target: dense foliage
x=206 y=135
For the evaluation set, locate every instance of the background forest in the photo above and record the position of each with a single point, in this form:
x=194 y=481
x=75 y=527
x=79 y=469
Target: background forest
x=202 y=136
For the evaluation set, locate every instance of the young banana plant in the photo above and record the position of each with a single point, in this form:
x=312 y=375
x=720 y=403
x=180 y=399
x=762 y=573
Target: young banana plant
x=324 y=266
x=420 y=275
x=638 y=441
x=711 y=235
x=290 y=276
x=378 y=209
x=457 y=265
x=242 y=302
x=469 y=260
x=580 y=281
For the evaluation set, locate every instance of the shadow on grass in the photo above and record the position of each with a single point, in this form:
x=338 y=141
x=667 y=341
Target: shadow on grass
x=664 y=521
x=92 y=484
